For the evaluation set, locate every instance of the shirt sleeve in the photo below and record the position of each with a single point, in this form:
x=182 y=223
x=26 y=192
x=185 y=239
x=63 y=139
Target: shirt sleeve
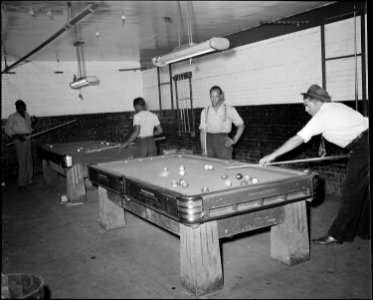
x=136 y=120
x=156 y=120
x=9 y=127
x=203 y=118
x=313 y=127
x=235 y=117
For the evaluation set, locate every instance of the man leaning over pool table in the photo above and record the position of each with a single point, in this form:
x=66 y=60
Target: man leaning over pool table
x=347 y=128
x=146 y=125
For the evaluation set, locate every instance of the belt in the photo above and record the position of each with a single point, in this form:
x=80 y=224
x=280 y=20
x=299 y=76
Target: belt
x=218 y=133
x=357 y=139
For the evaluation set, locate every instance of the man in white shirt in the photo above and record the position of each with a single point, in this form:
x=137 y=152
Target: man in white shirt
x=146 y=125
x=216 y=124
x=19 y=126
x=346 y=128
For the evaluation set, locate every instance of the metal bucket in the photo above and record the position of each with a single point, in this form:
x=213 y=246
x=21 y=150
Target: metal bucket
x=22 y=286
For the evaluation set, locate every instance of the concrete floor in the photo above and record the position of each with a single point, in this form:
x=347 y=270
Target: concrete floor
x=78 y=259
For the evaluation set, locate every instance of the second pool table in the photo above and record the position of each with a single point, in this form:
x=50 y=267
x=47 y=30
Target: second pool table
x=71 y=160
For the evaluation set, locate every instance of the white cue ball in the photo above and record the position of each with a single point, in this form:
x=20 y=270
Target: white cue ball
x=181 y=172
x=228 y=182
x=182 y=167
x=211 y=167
x=255 y=180
x=206 y=167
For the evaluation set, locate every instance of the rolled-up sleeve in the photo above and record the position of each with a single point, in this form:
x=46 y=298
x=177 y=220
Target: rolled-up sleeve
x=312 y=128
x=203 y=120
x=235 y=117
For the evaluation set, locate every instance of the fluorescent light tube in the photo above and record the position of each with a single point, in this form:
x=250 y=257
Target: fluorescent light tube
x=211 y=45
x=79 y=83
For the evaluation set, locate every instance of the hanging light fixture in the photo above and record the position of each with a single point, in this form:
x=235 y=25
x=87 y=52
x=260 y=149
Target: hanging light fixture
x=191 y=49
x=211 y=45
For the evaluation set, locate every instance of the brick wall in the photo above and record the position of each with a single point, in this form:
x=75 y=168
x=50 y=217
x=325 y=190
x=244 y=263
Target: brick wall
x=267 y=127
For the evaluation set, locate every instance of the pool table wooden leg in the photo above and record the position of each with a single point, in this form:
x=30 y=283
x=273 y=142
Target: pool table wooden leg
x=75 y=183
x=200 y=260
x=50 y=176
x=289 y=240
x=111 y=216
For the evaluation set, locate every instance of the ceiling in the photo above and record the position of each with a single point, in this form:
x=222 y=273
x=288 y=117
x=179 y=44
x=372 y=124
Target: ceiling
x=130 y=30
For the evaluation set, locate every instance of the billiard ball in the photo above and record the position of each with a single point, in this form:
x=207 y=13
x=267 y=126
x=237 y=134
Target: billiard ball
x=228 y=182
x=206 y=167
x=255 y=180
x=239 y=176
x=205 y=189
x=174 y=183
x=164 y=173
x=78 y=149
x=224 y=176
x=165 y=169
x=181 y=172
x=211 y=167
x=244 y=182
x=50 y=146
x=247 y=177
x=184 y=184
x=181 y=167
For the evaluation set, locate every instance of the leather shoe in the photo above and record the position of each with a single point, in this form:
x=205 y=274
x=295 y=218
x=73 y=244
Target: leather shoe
x=326 y=240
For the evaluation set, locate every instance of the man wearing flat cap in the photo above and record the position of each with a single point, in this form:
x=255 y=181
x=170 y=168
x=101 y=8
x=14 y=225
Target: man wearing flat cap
x=346 y=128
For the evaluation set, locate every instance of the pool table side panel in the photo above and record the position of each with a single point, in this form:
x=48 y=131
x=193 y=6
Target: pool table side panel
x=230 y=226
x=290 y=239
x=51 y=171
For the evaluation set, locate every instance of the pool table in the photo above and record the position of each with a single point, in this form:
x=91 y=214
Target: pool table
x=71 y=160
x=201 y=200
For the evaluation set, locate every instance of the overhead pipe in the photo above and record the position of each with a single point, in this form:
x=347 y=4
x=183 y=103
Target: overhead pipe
x=68 y=25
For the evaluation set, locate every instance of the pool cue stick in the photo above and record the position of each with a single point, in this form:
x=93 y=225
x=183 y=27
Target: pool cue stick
x=119 y=145
x=44 y=131
x=205 y=132
x=356 y=83
x=295 y=161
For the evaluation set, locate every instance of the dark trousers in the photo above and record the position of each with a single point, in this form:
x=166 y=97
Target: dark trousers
x=215 y=146
x=354 y=209
x=25 y=163
x=145 y=147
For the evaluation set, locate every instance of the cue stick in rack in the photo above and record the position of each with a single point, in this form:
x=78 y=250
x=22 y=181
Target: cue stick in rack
x=119 y=145
x=44 y=131
x=295 y=161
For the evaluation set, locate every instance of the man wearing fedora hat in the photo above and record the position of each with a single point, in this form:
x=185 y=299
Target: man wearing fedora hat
x=346 y=128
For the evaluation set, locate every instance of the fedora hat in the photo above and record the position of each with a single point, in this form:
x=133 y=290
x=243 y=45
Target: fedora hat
x=318 y=93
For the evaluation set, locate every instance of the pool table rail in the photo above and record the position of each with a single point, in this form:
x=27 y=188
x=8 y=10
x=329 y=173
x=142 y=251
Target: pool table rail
x=196 y=209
